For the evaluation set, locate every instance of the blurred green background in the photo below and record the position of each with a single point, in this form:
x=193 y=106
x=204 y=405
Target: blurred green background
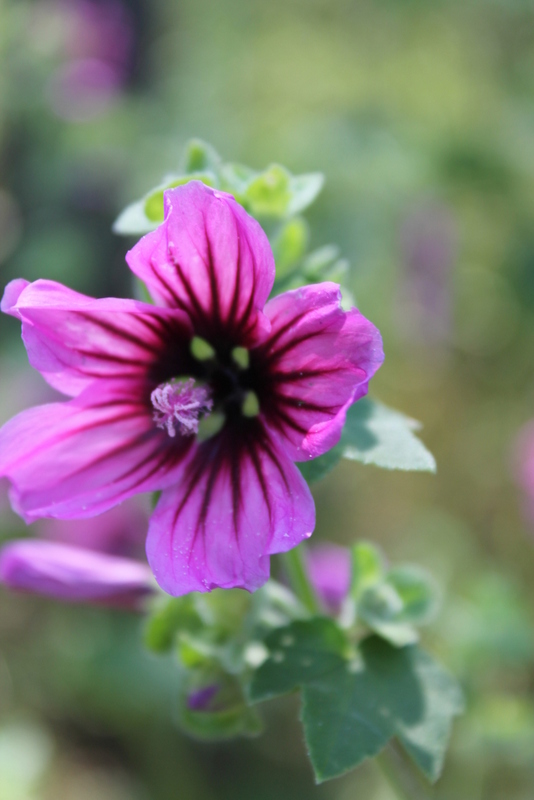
x=421 y=116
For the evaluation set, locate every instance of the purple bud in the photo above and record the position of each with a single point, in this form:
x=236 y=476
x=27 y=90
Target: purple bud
x=73 y=574
x=330 y=573
x=200 y=699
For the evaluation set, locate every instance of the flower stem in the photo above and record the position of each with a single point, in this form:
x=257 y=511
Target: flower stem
x=402 y=776
x=295 y=566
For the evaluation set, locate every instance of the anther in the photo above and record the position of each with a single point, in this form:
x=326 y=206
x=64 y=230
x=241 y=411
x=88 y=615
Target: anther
x=179 y=405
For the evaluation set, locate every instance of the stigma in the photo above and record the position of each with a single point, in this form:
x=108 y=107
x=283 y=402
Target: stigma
x=179 y=405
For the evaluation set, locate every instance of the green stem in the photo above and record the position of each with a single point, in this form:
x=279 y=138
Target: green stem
x=298 y=577
x=401 y=774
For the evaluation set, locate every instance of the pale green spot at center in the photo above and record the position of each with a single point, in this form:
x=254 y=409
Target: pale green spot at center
x=210 y=426
x=241 y=357
x=201 y=349
x=251 y=405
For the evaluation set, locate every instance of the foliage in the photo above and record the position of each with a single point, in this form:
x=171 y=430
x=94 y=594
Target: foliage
x=362 y=677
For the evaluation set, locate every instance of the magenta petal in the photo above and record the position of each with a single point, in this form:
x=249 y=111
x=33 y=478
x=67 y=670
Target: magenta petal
x=211 y=259
x=79 y=458
x=73 y=339
x=229 y=511
x=321 y=359
x=12 y=293
x=72 y=573
x=121 y=531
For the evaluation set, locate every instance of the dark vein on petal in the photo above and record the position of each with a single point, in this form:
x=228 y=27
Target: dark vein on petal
x=295 y=402
x=169 y=289
x=236 y=491
x=189 y=290
x=169 y=455
x=284 y=329
x=286 y=348
x=198 y=468
x=299 y=375
x=235 y=299
x=214 y=287
x=121 y=333
x=129 y=444
x=157 y=325
x=271 y=452
x=245 y=322
x=59 y=438
x=288 y=421
x=261 y=477
x=210 y=485
x=99 y=356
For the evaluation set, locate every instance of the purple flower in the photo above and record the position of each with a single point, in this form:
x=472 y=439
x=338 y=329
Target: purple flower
x=330 y=574
x=272 y=382
x=73 y=574
x=428 y=245
x=95 y=40
x=81 y=90
x=522 y=466
x=121 y=531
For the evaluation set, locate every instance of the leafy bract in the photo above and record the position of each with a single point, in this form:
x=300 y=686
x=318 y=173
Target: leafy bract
x=319 y=467
x=272 y=194
x=289 y=246
x=390 y=602
x=354 y=700
x=376 y=434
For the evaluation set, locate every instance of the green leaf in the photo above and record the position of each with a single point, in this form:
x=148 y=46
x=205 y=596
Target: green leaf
x=391 y=603
x=418 y=592
x=290 y=246
x=373 y=434
x=380 y=608
x=168 y=617
x=320 y=259
x=276 y=193
x=269 y=194
x=146 y=214
x=367 y=567
x=317 y=468
x=200 y=156
x=225 y=724
x=273 y=193
x=235 y=179
x=304 y=190
x=225 y=713
x=376 y=434
x=354 y=703
x=133 y=221
x=298 y=653
x=154 y=200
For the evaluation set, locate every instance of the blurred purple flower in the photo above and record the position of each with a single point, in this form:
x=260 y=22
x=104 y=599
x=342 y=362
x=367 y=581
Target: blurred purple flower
x=81 y=90
x=200 y=699
x=101 y=29
x=329 y=569
x=73 y=574
x=97 y=44
x=121 y=531
x=428 y=244
x=523 y=467
x=281 y=375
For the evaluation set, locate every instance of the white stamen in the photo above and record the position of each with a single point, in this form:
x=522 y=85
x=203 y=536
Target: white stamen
x=179 y=405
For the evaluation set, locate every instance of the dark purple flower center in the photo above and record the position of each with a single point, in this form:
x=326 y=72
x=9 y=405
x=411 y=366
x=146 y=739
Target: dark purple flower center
x=195 y=380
